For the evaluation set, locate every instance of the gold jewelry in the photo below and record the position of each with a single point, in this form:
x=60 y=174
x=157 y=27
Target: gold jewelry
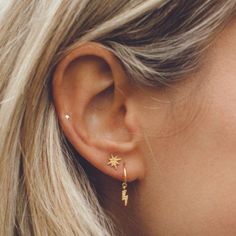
x=114 y=161
x=124 y=195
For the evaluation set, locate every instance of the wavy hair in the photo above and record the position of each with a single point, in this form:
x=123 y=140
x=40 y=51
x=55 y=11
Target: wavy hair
x=43 y=188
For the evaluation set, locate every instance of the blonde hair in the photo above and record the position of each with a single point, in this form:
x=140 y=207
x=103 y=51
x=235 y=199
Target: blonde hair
x=44 y=190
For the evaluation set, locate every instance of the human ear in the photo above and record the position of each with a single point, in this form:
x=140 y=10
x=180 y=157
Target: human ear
x=91 y=94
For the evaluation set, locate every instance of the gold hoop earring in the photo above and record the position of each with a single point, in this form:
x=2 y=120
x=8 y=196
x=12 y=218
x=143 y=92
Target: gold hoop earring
x=124 y=195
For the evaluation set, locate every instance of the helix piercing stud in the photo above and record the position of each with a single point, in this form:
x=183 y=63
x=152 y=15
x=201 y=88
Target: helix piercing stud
x=67 y=117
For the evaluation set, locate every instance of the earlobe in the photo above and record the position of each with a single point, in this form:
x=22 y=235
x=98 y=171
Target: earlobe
x=93 y=112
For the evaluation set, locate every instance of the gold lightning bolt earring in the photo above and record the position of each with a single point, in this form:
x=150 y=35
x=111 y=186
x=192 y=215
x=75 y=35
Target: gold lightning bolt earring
x=124 y=195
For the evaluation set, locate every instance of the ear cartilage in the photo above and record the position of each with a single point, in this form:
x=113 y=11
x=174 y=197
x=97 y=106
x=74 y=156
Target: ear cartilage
x=67 y=117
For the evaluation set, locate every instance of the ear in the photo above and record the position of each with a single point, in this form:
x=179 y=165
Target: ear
x=91 y=94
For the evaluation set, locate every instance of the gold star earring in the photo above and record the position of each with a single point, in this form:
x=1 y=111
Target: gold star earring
x=114 y=161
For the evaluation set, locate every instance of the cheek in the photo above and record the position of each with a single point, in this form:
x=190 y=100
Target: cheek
x=193 y=184
x=192 y=176
x=220 y=92
x=198 y=196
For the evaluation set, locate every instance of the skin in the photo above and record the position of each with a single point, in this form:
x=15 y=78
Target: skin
x=178 y=143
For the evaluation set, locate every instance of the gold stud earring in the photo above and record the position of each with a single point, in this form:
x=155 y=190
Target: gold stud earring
x=114 y=161
x=124 y=195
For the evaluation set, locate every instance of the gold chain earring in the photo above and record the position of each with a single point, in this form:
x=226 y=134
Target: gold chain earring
x=124 y=195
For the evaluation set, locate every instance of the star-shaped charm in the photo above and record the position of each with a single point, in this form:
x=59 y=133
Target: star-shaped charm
x=114 y=161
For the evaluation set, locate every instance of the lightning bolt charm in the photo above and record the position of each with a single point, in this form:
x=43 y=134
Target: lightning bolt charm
x=124 y=195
